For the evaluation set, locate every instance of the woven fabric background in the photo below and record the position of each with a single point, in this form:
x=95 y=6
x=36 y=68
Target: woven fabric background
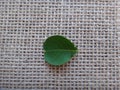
x=90 y=24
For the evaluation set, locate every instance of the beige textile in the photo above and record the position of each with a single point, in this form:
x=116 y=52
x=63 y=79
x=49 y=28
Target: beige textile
x=93 y=26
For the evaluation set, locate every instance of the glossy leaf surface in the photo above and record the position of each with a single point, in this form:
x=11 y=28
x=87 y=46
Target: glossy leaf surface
x=58 y=50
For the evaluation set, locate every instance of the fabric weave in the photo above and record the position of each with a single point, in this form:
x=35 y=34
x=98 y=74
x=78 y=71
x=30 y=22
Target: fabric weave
x=90 y=24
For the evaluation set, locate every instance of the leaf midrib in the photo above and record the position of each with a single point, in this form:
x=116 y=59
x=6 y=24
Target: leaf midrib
x=60 y=50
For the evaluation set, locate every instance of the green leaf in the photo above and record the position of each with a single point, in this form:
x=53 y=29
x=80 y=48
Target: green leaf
x=58 y=50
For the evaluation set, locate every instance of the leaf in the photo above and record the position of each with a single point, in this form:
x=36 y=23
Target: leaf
x=58 y=50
